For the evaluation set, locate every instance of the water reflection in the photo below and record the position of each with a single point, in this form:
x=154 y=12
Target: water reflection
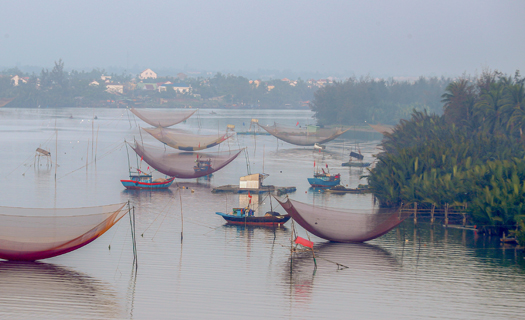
x=360 y=259
x=63 y=293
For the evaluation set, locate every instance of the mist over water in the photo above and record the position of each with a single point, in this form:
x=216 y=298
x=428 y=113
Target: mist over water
x=221 y=271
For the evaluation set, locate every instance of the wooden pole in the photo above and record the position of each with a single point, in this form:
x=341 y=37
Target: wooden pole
x=446 y=214
x=432 y=214
x=181 y=218
x=415 y=212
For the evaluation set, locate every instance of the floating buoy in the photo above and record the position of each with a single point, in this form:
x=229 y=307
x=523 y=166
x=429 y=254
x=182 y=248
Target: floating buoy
x=192 y=191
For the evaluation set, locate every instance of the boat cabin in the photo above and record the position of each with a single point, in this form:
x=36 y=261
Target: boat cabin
x=252 y=181
x=241 y=212
x=140 y=177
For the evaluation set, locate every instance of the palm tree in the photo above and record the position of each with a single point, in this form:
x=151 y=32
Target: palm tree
x=458 y=99
x=492 y=108
x=516 y=96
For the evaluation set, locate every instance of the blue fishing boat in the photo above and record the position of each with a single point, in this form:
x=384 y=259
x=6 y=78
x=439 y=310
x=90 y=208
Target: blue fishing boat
x=145 y=181
x=203 y=166
x=325 y=179
x=246 y=216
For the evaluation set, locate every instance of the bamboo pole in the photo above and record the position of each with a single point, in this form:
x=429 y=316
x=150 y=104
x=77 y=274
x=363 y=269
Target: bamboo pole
x=432 y=214
x=446 y=214
x=415 y=212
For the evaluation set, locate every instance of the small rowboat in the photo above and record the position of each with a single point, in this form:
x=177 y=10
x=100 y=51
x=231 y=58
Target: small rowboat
x=339 y=189
x=245 y=216
x=145 y=181
x=357 y=164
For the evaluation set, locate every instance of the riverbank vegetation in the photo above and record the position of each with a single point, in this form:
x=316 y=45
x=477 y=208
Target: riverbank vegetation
x=61 y=88
x=473 y=155
x=366 y=100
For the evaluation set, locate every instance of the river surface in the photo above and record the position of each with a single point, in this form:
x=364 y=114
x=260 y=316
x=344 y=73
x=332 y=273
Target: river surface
x=220 y=271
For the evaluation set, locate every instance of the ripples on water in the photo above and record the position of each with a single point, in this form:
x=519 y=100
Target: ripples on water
x=222 y=271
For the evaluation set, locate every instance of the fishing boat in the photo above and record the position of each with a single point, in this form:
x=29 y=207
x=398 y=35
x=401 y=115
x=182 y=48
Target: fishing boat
x=359 y=157
x=203 y=166
x=246 y=216
x=145 y=181
x=324 y=179
x=339 y=189
x=356 y=164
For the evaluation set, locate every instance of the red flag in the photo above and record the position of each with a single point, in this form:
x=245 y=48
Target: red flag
x=314 y=164
x=148 y=168
x=141 y=158
x=249 y=195
x=304 y=242
x=297 y=123
x=327 y=166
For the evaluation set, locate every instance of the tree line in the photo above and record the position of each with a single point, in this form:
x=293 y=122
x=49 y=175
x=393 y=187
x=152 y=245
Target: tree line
x=58 y=88
x=471 y=156
x=354 y=101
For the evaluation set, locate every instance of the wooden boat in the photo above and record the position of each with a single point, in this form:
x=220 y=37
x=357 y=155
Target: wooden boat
x=357 y=164
x=339 y=189
x=203 y=166
x=145 y=181
x=246 y=216
x=506 y=240
x=324 y=180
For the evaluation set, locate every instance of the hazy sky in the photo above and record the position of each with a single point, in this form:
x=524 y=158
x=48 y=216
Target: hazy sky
x=378 y=38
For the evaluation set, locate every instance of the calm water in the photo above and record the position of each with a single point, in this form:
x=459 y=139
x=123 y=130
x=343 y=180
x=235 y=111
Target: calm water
x=222 y=271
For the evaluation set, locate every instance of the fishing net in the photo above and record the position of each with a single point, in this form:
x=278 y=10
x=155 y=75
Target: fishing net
x=5 y=101
x=186 y=141
x=31 y=234
x=344 y=225
x=184 y=165
x=303 y=136
x=162 y=119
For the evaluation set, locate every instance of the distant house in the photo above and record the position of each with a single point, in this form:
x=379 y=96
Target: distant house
x=105 y=78
x=94 y=83
x=148 y=73
x=16 y=80
x=114 y=88
x=270 y=87
x=255 y=82
x=180 y=87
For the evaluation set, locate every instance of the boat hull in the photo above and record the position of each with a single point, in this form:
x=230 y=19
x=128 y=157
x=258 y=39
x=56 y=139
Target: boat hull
x=320 y=183
x=356 y=164
x=137 y=185
x=255 y=221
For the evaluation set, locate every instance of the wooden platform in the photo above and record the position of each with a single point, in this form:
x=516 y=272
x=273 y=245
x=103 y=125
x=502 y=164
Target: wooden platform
x=264 y=189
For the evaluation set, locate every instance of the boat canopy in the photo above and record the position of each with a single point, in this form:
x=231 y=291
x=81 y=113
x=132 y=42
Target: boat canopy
x=304 y=136
x=164 y=118
x=29 y=234
x=344 y=225
x=183 y=165
x=186 y=141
